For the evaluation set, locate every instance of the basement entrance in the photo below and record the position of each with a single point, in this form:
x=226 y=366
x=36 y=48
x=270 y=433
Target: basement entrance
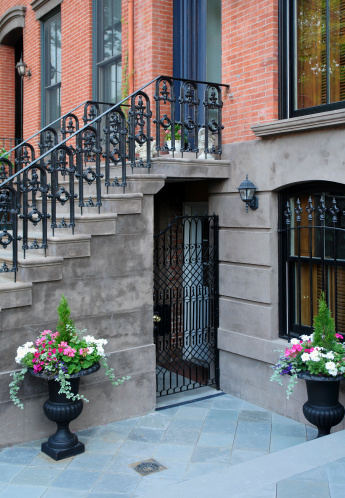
x=186 y=304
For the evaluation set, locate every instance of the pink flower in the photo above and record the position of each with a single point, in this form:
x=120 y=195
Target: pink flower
x=296 y=347
x=68 y=351
x=339 y=336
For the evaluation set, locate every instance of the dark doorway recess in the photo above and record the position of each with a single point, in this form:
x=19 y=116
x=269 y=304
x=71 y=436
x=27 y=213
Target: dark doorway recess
x=186 y=302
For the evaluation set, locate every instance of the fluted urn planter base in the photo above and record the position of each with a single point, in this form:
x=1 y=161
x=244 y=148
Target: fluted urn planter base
x=60 y=409
x=322 y=408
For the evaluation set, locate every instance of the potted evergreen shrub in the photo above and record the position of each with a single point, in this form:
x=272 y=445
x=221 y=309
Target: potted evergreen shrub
x=320 y=360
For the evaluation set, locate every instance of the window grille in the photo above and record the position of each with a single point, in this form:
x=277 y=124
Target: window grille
x=312 y=251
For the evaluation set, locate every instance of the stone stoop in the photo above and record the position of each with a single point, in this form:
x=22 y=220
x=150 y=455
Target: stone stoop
x=47 y=266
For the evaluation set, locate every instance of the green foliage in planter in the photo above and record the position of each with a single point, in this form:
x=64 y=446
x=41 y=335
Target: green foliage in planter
x=324 y=326
x=65 y=324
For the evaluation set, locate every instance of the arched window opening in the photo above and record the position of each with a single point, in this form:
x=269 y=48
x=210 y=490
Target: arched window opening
x=312 y=255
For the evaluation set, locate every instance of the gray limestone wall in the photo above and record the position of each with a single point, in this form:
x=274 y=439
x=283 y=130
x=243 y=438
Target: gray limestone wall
x=110 y=295
x=248 y=322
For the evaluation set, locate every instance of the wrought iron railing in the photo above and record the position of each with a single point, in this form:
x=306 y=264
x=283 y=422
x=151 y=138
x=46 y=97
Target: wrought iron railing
x=93 y=150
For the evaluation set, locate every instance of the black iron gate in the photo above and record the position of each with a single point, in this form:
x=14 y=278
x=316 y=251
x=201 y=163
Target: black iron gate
x=186 y=304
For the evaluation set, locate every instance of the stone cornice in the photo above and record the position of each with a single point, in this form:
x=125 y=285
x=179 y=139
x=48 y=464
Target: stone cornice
x=13 y=18
x=43 y=7
x=299 y=124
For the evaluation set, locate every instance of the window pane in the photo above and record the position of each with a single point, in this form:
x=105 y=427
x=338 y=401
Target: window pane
x=107 y=29
x=112 y=28
x=109 y=50
x=51 y=72
x=311 y=53
x=53 y=50
x=337 y=50
x=111 y=76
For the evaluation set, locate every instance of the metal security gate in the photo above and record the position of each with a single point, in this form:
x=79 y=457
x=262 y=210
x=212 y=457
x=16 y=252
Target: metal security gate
x=186 y=304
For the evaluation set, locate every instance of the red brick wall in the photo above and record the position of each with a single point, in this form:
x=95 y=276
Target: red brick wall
x=249 y=65
x=32 y=86
x=249 y=60
x=76 y=53
x=76 y=63
x=153 y=39
x=7 y=72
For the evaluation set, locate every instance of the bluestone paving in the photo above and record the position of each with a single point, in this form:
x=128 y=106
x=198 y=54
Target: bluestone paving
x=210 y=442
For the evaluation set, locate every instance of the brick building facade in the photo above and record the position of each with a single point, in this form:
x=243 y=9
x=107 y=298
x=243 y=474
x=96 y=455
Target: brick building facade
x=283 y=116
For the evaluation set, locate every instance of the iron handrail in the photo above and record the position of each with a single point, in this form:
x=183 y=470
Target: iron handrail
x=21 y=142
x=97 y=118
x=42 y=129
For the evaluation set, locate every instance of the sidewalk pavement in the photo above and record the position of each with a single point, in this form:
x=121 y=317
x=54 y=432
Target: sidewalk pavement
x=204 y=443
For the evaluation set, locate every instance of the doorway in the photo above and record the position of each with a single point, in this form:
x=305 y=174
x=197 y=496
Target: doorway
x=186 y=302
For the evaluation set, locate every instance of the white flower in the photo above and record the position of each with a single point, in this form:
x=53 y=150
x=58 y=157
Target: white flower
x=23 y=350
x=330 y=366
x=99 y=343
x=329 y=355
x=90 y=350
x=294 y=341
x=305 y=338
x=305 y=357
x=89 y=339
x=315 y=355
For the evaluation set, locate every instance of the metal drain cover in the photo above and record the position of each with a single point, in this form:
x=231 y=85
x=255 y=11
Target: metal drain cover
x=147 y=467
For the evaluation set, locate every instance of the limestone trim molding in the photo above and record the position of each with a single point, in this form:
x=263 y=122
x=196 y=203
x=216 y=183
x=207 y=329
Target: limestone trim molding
x=43 y=7
x=13 y=18
x=299 y=124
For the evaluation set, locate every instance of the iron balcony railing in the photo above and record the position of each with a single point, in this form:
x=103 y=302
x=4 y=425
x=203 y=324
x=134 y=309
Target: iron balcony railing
x=91 y=146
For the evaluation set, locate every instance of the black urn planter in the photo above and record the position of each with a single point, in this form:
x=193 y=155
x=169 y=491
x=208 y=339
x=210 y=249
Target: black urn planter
x=58 y=408
x=322 y=408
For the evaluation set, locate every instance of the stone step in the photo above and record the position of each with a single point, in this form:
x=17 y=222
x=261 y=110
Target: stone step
x=85 y=224
x=144 y=183
x=65 y=245
x=129 y=203
x=34 y=267
x=91 y=224
x=13 y=294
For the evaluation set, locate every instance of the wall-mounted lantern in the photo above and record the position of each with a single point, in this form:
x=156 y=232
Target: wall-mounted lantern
x=22 y=69
x=247 y=191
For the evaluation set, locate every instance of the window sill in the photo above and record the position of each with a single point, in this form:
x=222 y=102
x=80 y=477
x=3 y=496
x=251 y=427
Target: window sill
x=301 y=123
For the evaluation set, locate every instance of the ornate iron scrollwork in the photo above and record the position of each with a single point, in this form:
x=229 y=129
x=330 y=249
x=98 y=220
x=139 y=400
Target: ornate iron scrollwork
x=115 y=132
x=213 y=118
x=165 y=102
x=36 y=186
x=140 y=129
x=189 y=109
